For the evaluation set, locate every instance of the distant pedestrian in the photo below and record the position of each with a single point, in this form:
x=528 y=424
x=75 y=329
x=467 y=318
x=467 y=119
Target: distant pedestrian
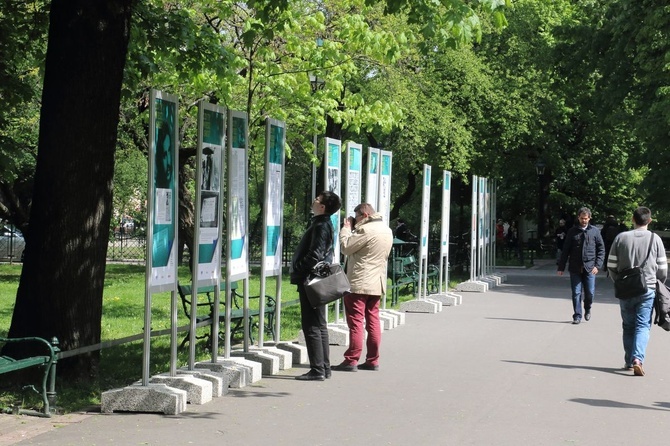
x=585 y=250
x=366 y=241
x=629 y=249
x=560 y=233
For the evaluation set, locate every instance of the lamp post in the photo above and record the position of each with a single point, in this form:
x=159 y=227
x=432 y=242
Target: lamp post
x=317 y=84
x=539 y=170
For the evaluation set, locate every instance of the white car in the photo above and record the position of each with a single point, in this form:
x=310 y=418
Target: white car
x=12 y=244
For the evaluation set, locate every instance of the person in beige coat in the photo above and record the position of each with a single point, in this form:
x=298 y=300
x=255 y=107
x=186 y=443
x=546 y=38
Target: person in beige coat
x=367 y=242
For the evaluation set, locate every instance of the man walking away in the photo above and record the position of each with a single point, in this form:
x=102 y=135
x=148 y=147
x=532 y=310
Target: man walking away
x=585 y=249
x=630 y=249
x=367 y=242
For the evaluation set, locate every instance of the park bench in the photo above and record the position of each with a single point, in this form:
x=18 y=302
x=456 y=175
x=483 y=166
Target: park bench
x=47 y=362
x=206 y=302
x=404 y=274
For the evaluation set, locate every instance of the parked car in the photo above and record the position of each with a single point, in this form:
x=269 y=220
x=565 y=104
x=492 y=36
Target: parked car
x=12 y=244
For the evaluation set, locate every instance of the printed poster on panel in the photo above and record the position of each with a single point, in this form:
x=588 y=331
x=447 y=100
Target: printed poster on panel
x=212 y=123
x=372 y=179
x=238 y=180
x=274 y=196
x=446 y=211
x=354 y=157
x=425 y=211
x=384 y=200
x=163 y=190
x=333 y=163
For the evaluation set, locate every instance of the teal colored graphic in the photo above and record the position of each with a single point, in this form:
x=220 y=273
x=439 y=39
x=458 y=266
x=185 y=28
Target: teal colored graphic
x=206 y=252
x=333 y=155
x=239 y=136
x=373 y=162
x=213 y=127
x=276 y=140
x=447 y=182
x=164 y=168
x=386 y=165
x=273 y=240
x=355 y=159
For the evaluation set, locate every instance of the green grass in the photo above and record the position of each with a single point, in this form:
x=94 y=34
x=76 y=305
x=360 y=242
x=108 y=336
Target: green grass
x=123 y=316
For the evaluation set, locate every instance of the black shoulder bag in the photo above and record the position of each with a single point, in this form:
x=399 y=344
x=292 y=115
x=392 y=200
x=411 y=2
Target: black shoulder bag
x=630 y=282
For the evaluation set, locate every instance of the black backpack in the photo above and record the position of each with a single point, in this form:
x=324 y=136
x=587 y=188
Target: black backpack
x=662 y=306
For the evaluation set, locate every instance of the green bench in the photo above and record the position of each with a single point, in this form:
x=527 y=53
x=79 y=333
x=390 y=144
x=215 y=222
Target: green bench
x=403 y=271
x=206 y=302
x=47 y=362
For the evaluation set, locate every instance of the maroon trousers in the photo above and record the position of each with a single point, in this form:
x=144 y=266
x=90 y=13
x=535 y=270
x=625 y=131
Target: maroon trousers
x=362 y=311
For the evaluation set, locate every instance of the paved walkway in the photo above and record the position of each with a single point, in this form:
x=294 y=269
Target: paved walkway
x=505 y=368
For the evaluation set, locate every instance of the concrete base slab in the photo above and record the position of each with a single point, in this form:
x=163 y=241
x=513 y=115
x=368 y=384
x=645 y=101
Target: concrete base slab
x=501 y=276
x=285 y=358
x=446 y=299
x=495 y=279
x=473 y=285
x=198 y=391
x=421 y=306
x=387 y=321
x=299 y=352
x=336 y=336
x=399 y=315
x=150 y=398
x=219 y=381
x=269 y=363
x=236 y=375
x=489 y=281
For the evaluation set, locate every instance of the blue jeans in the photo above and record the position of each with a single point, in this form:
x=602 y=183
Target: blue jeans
x=582 y=281
x=636 y=323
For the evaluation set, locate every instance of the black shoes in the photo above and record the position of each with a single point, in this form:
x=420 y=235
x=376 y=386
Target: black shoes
x=366 y=366
x=587 y=315
x=310 y=376
x=328 y=374
x=344 y=367
x=576 y=320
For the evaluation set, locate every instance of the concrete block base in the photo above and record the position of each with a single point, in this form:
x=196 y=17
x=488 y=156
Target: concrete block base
x=400 y=316
x=473 y=285
x=299 y=352
x=285 y=358
x=446 y=299
x=501 y=276
x=336 y=336
x=387 y=321
x=150 y=398
x=421 y=306
x=495 y=279
x=198 y=391
x=219 y=381
x=269 y=363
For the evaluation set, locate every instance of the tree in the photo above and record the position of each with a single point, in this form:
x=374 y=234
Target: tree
x=62 y=278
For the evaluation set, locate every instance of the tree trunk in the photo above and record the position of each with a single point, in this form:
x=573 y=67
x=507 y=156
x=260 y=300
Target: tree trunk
x=61 y=287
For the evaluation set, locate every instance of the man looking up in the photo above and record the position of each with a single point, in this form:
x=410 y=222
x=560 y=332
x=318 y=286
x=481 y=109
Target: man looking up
x=367 y=242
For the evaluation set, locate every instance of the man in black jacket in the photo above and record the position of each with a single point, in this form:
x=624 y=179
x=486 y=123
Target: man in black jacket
x=585 y=249
x=315 y=246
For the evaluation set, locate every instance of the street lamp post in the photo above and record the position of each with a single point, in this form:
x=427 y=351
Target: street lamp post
x=539 y=170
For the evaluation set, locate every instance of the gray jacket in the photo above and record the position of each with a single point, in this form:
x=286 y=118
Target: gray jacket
x=630 y=248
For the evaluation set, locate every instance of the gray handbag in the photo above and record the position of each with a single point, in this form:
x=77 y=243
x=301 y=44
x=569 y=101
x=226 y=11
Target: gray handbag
x=326 y=284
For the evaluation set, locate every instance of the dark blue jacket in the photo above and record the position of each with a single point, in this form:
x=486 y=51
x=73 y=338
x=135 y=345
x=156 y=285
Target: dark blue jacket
x=584 y=248
x=315 y=246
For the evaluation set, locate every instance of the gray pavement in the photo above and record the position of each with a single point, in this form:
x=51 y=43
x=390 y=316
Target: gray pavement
x=505 y=368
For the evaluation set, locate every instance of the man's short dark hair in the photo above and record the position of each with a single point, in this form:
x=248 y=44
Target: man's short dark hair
x=331 y=201
x=642 y=216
